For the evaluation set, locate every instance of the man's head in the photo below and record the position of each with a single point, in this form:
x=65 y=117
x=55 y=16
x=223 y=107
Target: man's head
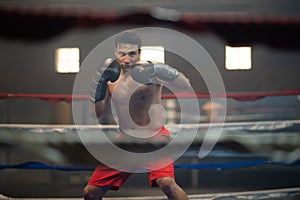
x=127 y=49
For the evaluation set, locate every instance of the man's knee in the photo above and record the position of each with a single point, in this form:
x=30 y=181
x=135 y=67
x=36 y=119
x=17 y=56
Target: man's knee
x=94 y=193
x=166 y=184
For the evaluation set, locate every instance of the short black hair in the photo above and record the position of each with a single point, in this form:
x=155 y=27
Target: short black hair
x=128 y=37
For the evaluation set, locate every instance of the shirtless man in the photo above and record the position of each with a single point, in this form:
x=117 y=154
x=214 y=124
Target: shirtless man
x=145 y=79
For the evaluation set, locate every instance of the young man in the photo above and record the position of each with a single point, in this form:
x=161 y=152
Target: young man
x=121 y=76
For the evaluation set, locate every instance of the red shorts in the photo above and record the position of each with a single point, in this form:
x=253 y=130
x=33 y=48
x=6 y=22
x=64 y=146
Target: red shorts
x=106 y=176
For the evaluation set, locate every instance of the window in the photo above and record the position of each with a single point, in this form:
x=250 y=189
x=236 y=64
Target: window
x=67 y=60
x=153 y=53
x=238 y=58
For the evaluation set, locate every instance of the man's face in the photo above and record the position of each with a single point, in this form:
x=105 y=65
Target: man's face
x=127 y=55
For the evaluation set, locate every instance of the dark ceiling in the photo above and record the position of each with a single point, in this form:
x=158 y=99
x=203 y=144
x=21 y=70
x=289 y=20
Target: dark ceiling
x=238 y=22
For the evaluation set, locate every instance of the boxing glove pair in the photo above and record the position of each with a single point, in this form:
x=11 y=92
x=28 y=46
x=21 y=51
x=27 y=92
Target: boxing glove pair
x=144 y=73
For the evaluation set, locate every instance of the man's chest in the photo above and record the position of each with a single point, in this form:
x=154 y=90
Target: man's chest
x=127 y=91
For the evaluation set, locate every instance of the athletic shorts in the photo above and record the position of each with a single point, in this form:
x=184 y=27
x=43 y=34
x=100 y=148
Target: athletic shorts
x=106 y=176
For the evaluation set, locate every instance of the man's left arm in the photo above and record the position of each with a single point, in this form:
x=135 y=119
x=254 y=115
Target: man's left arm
x=181 y=82
x=149 y=72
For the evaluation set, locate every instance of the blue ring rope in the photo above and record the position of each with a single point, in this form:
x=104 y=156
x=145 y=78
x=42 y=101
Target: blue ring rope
x=217 y=166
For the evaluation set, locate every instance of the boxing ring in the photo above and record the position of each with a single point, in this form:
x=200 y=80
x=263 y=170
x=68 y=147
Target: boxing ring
x=269 y=140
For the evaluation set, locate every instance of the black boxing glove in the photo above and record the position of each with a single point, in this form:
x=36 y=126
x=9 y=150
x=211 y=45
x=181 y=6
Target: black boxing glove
x=111 y=73
x=145 y=73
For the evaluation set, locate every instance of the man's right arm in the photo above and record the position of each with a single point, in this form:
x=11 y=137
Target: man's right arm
x=97 y=109
x=99 y=94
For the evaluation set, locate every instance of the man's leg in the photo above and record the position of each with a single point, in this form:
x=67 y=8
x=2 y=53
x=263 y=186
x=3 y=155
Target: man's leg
x=164 y=177
x=103 y=179
x=94 y=192
x=171 y=189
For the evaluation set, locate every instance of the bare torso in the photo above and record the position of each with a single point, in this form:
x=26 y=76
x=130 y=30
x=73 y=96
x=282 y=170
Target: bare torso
x=137 y=105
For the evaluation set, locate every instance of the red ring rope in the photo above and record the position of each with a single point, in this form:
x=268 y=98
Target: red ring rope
x=54 y=98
